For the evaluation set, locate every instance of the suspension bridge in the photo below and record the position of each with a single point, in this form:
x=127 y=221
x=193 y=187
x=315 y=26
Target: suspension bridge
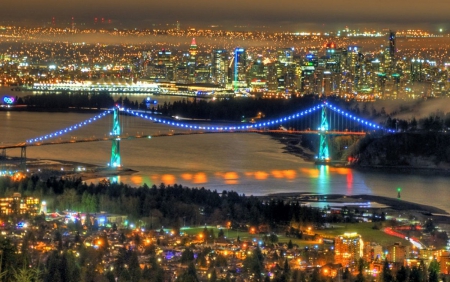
x=324 y=120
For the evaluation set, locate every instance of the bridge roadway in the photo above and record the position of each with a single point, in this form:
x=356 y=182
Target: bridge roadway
x=126 y=137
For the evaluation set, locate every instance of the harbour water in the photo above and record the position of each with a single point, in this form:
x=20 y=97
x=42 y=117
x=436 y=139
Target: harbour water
x=251 y=164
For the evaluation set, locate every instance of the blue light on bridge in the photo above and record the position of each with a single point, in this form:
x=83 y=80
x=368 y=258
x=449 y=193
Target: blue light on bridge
x=226 y=128
x=60 y=132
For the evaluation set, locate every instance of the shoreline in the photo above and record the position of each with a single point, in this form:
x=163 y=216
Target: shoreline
x=95 y=172
x=292 y=146
x=391 y=203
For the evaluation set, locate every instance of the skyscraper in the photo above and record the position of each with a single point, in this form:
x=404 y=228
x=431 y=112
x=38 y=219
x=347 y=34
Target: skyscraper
x=392 y=46
x=348 y=248
x=192 y=61
x=285 y=68
x=166 y=63
x=219 y=66
x=239 y=68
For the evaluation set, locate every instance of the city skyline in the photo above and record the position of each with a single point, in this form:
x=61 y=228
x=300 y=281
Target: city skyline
x=287 y=14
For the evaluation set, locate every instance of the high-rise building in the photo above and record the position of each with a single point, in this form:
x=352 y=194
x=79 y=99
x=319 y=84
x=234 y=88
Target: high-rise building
x=164 y=60
x=334 y=58
x=285 y=69
x=285 y=56
x=348 y=248
x=397 y=253
x=192 y=60
x=239 y=68
x=392 y=46
x=219 y=67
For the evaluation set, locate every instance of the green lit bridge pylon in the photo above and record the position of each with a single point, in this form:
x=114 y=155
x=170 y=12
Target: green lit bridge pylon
x=115 y=148
x=324 y=151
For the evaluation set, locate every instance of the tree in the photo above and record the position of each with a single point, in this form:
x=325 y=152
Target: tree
x=315 y=276
x=254 y=263
x=273 y=238
x=187 y=255
x=386 y=272
x=433 y=271
x=402 y=274
x=190 y=275
x=429 y=226
x=213 y=277
x=290 y=245
x=416 y=275
x=25 y=274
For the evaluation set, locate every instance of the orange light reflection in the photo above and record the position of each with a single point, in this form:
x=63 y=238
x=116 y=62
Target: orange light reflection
x=168 y=179
x=187 y=176
x=200 y=178
x=137 y=180
x=311 y=172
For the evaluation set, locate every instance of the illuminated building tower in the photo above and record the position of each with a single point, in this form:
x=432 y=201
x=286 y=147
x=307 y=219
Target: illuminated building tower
x=285 y=68
x=397 y=253
x=348 y=249
x=192 y=61
x=417 y=70
x=258 y=74
x=333 y=58
x=285 y=56
x=373 y=251
x=165 y=62
x=311 y=59
x=307 y=78
x=333 y=65
x=181 y=73
x=239 y=68
x=354 y=64
x=392 y=46
x=202 y=73
x=219 y=67
x=444 y=263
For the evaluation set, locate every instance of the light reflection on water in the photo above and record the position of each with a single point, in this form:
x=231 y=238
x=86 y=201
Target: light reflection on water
x=250 y=164
x=319 y=176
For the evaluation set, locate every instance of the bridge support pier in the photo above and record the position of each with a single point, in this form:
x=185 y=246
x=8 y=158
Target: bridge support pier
x=324 y=152
x=115 y=148
x=3 y=159
x=23 y=158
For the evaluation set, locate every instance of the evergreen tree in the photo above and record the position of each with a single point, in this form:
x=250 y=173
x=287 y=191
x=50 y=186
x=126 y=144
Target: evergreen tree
x=213 y=277
x=433 y=271
x=254 y=263
x=290 y=245
x=190 y=275
x=387 y=273
x=416 y=275
x=402 y=274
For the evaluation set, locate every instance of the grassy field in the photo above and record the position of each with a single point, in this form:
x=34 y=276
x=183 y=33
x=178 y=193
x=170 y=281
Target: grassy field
x=365 y=229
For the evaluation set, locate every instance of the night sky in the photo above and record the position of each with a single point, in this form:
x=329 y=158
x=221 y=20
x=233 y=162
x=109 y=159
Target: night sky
x=325 y=14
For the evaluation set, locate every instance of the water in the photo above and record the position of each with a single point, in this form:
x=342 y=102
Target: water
x=252 y=164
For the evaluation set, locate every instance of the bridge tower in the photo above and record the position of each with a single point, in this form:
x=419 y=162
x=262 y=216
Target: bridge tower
x=324 y=152
x=115 y=133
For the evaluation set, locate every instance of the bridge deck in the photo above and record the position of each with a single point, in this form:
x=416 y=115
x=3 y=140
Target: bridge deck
x=71 y=141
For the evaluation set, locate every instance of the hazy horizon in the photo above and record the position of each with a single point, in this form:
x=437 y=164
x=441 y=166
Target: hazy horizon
x=262 y=15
